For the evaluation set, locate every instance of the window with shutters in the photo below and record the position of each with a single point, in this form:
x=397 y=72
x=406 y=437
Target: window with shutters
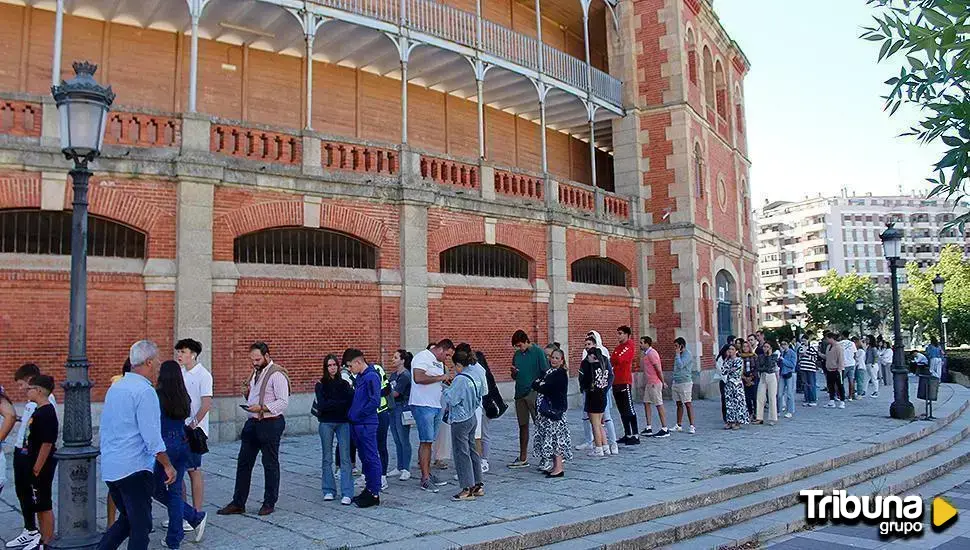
x=49 y=232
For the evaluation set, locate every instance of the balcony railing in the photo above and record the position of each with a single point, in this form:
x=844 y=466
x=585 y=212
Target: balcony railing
x=20 y=118
x=143 y=130
x=462 y=27
x=511 y=184
x=353 y=157
x=255 y=144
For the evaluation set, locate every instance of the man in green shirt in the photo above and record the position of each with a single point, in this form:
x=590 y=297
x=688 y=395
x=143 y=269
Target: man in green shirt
x=528 y=364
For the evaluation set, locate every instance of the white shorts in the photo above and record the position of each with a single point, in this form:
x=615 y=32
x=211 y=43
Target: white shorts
x=478 y=425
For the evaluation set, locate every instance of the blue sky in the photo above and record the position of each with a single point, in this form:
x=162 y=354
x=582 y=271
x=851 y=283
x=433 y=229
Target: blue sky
x=813 y=100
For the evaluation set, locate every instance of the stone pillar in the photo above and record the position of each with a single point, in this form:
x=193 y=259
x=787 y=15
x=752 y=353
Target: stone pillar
x=414 y=277
x=646 y=276
x=195 y=133
x=558 y=291
x=193 y=283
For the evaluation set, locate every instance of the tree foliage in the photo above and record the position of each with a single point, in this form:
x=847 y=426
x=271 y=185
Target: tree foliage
x=835 y=307
x=932 y=39
x=918 y=302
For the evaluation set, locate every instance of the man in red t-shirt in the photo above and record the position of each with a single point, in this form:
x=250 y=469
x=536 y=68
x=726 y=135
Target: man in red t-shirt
x=622 y=359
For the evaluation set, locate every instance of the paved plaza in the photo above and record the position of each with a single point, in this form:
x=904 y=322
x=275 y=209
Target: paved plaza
x=303 y=520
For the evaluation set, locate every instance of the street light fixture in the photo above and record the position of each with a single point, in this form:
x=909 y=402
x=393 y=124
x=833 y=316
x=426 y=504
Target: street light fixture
x=938 y=283
x=860 y=305
x=82 y=107
x=901 y=407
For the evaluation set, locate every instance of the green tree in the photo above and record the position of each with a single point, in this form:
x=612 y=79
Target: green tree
x=835 y=307
x=933 y=37
x=918 y=302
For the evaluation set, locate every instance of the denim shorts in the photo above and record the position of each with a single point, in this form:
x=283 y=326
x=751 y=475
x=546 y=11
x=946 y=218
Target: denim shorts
x=427 y=420
x=193 y=461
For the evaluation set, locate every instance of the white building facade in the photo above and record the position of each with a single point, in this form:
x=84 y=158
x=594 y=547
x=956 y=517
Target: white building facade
x=799 y=242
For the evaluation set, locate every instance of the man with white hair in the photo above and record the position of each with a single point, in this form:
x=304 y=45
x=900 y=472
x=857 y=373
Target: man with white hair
x=131 y=442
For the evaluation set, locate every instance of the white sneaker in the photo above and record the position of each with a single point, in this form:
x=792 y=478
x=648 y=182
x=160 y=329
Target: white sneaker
x=830 y=405
x=484 y=466
x=26 y=537
x=456 y=477
x=32 y=545
x=614 y=449
x=394 y=472
x=875 y=395
x=788 y=415
x=328 y=497
x=405 y=475
x=813 y=404
x=597 y=452
x=200 y=529
x=841 y=404
x=383 y=483
x=677 y=428
x=584 y=446
x=691 y=430
x=185 y=525
x=345 y=501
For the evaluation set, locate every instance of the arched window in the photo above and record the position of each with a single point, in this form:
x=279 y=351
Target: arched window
x=484 y=260
x=304 y=246
x=691 y=57
x=720 y=83
x=709 y=90
x=738 y=109
x=751 y=321
x=49 y=232
x=699 y=170
x=706 y=309
x=598 y=271
x=745 y=207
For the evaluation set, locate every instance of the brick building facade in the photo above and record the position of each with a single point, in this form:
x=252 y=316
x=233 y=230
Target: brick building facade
x=248 y=194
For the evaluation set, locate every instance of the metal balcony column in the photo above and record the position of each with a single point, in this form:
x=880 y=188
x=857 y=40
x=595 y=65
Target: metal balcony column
x=480 y=69
x=543 y=91
x=404 y=49
x=310 y=23
x=589 y=70
x=196 y=8
x=591 y=113
x=58 y=42
x=539 y=36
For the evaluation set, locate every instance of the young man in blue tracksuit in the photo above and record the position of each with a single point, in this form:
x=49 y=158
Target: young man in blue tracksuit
x=363 y=424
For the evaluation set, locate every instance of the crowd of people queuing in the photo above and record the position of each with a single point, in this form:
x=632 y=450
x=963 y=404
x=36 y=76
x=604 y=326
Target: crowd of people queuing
x=155 y=419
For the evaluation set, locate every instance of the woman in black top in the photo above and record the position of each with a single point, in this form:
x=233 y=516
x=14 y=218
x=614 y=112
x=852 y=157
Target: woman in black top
x=594 y=381
x=552 y=441
x=400 y=381
x=333 y=395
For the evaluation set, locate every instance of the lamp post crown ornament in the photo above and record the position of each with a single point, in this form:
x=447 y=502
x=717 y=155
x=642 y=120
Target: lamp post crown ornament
x=82 y=107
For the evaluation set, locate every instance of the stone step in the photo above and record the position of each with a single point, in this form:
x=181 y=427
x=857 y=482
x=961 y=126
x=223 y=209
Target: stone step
x=772 y=512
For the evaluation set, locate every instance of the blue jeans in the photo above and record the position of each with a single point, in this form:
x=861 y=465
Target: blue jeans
x=786 y=394
x=402 y=437
x=426 y=420
x=132 y=496
x=810 y=390
x=171 y=495
x=327 y=432
x=365 y=437
x=383 y=423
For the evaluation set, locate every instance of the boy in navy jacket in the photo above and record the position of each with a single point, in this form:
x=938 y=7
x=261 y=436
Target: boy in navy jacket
x=363 y=424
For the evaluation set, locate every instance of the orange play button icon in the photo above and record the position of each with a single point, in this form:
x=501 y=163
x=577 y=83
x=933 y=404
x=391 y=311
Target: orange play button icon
x=943 y=513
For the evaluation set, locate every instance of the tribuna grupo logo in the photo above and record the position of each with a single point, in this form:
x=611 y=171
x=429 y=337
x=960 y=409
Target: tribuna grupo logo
x=898 y=516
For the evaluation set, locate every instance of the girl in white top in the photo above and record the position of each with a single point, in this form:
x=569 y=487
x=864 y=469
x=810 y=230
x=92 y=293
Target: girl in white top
x=8 y=417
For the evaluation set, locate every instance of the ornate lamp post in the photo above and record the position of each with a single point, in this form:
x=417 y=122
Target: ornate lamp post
x=938 y=283
x=860 y=304
x=82 y=107
x=901 y=407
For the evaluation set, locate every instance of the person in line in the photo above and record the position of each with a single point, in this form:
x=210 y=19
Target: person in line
x=717 y=377
x=354 y=470
x=528 y=364
x=21 y=465
x=749 y=375
x=848 y=360
x=493 y=405
x=594 y=381
x=475 y=368
x=111 y=509
x=935 y=355
x=427 y=374
x=834 y=370
x=333 y=395
x=364 y=423
x=731 y=368
x=756 y=344
x=682 y=389
x=175 y=404
x=463 y=396
x=8 y=417
x=622 y=360
x=198 y=382
x=808 y=367
x=872 y=368
x=131 y=443
x=41 y=444
x=787 y=365
x=767 y=365
x=608 y=427
x=551 y=442
x=653 y=391
x=861 y=370
x=886 y=362
x=400 y=382
x=384 y=409
x=267 y=395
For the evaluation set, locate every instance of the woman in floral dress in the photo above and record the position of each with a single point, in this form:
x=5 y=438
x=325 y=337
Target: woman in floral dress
x=737 y=411
x=551 y=444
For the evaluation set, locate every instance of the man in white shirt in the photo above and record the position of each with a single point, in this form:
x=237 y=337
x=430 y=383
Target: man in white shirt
x=428 y=372
x=198 y=383
x=848 y=354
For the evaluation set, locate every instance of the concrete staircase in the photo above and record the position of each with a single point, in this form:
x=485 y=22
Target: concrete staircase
x=735 y=509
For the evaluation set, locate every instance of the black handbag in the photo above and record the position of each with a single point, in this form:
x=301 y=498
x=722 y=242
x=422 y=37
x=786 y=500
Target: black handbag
x=493 y=406
x=546 y=409
x=315 y=409
x=198 y=441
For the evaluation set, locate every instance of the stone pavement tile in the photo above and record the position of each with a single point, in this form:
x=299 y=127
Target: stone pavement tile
x=703 y=542
x=480 y=535
x=830 y=537
x=860 y=531
x=957 y=502
x=803 y=543
x=959 y=543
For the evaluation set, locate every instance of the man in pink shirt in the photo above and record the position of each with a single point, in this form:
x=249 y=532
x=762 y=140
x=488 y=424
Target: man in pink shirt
x=653 y=390
x=267 y=394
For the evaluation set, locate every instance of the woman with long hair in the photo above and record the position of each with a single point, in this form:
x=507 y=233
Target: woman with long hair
x=174 y=401
x=8 y=417
x=400 y=380
x=594 y=381
x=333 y=395
x=749 y=376
x=731 y=369
x=494 y=397
x=767 y=366
x=551 y=442
x=718 y=363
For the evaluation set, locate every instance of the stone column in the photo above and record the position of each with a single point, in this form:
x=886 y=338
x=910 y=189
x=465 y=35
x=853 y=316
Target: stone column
x=414 y=277
x=558 y=291
x=193 y=283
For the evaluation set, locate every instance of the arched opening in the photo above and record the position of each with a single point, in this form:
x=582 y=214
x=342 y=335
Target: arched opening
x=709 y=90
x=484 y=260
x=751 y=316
x=726 y=299
x=745 y=200
x=706 y=321
x=594 y=270
x=738 y=109
x=49 y=232
x=720 y=90
x=698 y=170
x=304 y=246
x=691 y=57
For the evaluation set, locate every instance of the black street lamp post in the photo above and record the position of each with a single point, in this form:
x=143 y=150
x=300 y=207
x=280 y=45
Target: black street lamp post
x=860 y=305
x=901 y=407
x=82 y=106
x=938 y=283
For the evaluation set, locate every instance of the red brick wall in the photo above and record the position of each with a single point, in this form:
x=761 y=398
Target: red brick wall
x=274 y=88
x=11 y=37
x=649 y=34
x=706 y=306
x=721 y=163
x=659 y=177
x=139 y=84
x=663 y=291
x=582 y=244
x=602 y=314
